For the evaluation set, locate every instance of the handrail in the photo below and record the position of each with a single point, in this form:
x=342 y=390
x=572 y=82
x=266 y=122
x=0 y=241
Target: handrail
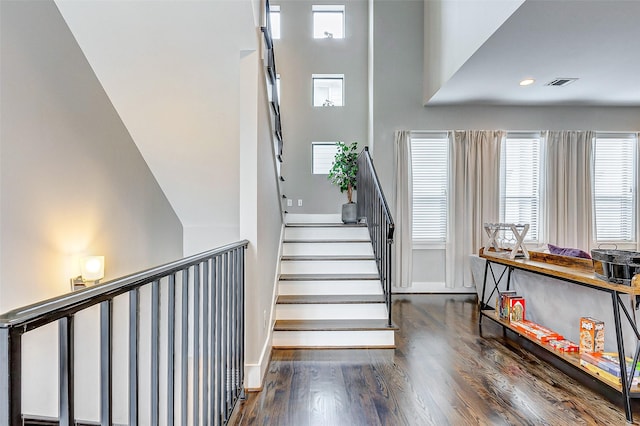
x=373 y=207
x=70 y=303
x=206 y=289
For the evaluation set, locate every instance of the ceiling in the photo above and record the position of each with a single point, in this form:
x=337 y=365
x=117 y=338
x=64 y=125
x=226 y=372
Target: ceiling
x=597 y=41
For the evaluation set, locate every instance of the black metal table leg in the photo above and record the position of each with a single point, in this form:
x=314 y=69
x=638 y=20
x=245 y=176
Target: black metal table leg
x=621 y=356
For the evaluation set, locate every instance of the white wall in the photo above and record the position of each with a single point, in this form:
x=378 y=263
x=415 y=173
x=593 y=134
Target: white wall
x=171 y=69
x=72 y=182
x=398 y=104
x=298 y=56
x=455 y=30
x=260 y=216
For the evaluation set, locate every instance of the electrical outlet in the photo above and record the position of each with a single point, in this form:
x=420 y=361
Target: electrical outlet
x=299 y=203
x=289 y=202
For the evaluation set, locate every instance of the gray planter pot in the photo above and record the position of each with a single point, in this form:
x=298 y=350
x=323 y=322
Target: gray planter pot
x=350 y=213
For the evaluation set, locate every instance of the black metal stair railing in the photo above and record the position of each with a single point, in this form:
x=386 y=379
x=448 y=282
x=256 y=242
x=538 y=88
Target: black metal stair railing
x=202 y=346
x=372 y=206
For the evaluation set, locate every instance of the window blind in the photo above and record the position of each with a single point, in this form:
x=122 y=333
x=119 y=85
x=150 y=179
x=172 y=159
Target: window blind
x=323 y=154
x=429 y=165
x=614 y=176
x=520 y=183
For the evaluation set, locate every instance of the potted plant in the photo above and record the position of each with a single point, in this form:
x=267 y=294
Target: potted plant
x=343 y=174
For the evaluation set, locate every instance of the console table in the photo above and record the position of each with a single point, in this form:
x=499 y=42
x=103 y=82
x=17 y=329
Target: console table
x=578 y=272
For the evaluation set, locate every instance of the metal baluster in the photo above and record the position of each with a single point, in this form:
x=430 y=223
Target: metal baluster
x=184 y=337
x=220 y=338
x=225 y=337
x=214 y=342
x=65 y=371
x=106 y=363
x=171 y=348
x=10 y=377
x=134 y=336
x=389 y=283
x=205 y=342
x=232 y=325
x=155 y=352
x=242 y=312
x=196 y=345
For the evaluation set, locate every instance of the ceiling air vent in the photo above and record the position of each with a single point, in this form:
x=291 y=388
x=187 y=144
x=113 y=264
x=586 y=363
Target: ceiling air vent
x=561 y=82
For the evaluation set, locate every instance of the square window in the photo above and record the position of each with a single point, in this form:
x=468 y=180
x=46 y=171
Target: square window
x=328 y=90
x=274 y=21
x=322 y=156
x=328 y=21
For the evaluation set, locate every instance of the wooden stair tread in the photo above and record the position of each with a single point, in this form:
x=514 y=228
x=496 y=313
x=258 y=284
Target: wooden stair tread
x=323 y=241
x=330 y=299
x=325 y=225
x=332 y=325
x=328 y=257
x=328 y=277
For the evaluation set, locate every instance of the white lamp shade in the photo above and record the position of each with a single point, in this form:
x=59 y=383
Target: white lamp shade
x=92 y=268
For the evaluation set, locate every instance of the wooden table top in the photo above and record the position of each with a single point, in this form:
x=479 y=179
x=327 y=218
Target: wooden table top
x=563 y=268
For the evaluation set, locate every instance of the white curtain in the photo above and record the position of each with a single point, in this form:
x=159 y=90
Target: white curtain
x=567 y=189
x=403 y=217
x=474 y=191
x=637 y=191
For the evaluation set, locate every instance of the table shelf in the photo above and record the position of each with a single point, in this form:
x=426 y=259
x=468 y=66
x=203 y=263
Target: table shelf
x=571 y=358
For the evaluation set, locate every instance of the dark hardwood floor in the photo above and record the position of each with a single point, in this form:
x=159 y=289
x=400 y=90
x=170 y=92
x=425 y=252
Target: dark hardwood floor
x=441 y=373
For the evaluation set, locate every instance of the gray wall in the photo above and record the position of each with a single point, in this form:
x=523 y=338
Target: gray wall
x=71 y=182
x=398 y=50
x=298 y=56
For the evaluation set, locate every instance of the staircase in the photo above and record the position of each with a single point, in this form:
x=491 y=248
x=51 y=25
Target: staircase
x=329 y=292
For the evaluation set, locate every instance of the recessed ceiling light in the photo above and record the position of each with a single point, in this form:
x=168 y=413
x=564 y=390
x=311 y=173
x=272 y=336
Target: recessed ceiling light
x=527 y=82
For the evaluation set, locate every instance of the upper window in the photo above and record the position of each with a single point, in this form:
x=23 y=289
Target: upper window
x=429 y=169
x=328 y=21
x=274 y=21
x=322 y=156
x=328 y=90
x=520 y=182
x=614 y=187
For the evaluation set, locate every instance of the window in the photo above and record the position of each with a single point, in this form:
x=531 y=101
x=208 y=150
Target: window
x=328 y=90
x=274 y=21
x=614 y=177
x=429 y=166
x=322 y=155
x=328 y=21
x=520 y=182
x=278 y=87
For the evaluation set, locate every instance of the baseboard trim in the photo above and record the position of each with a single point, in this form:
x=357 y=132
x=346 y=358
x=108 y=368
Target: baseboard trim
x=312 y=218
x=432 y=287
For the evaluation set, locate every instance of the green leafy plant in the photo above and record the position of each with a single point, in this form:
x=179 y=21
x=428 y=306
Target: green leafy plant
x=344 y=168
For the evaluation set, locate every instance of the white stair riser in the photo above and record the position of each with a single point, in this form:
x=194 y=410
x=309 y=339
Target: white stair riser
x=329 y=287
x=344 y=339
x=326 y=249
x=313 y=218
x=318 y=233
x=328 y=267
x=331 y=311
